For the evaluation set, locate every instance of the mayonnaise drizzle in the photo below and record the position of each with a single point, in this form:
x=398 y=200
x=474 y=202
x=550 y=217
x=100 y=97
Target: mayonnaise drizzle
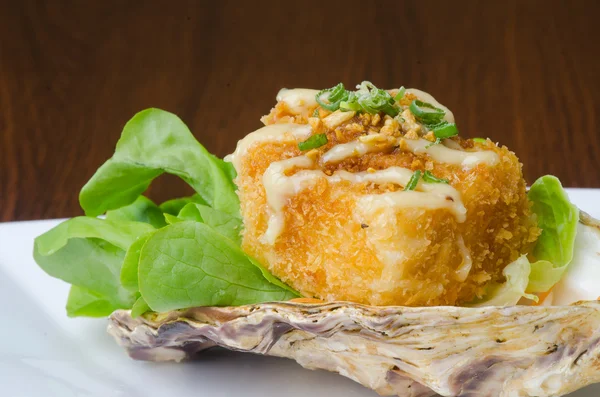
x=279 y=188
x=432 y=196
x=346 y=150
x=271 y=133
x=465 y=267
x=444 y=154
x=439 y=153
x=298 y=100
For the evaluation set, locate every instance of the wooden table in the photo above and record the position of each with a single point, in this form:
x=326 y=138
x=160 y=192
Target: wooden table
x=524 y=73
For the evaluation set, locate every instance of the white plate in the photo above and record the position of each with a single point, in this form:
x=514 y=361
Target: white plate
x=44 y=353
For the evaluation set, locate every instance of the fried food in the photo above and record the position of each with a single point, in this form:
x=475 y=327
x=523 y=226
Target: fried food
x=337 y=223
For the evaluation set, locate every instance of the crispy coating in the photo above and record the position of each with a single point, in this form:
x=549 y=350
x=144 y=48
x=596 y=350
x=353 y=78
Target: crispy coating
x=332 y=250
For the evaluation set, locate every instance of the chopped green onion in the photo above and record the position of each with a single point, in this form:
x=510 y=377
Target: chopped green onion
x=367 y=98
x=351 y=104
x=429 y=177
x=400 y=94
x=480 y=140
x=413 y=181
x=336 y=96
x=374 y=100
x=338 y=93
x=441 y=130
x=426 y=112
x=313 y=142
x=316 y=113
x=444 y=130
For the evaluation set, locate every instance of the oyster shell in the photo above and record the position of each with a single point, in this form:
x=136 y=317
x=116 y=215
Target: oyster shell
x=452 y=351
x=407 y=351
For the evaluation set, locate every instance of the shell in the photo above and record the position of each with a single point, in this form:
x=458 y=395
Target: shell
x=407 y=351
x=452 y=351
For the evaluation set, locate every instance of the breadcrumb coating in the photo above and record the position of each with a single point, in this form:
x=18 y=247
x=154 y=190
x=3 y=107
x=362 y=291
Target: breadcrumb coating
x=330 y=249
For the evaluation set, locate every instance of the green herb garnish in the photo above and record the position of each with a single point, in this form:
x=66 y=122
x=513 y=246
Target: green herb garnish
x=336 y=95
x=426 y=113
x=444 y=130
x=413 y=181
x=351 y=104
x=374 y=100
x=479 y=140
x=313 y=142
x=430 y=178
x=400 y=94
x=316 y=113
x=441 y=130
x=367 y=98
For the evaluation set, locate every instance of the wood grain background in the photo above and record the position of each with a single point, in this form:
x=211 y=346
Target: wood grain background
x=524 y=73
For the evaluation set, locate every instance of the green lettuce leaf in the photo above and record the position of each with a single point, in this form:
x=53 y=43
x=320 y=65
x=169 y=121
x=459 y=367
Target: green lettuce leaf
x=512 y=290
x=129 y=270
x=141 y=210
x=185 y=252
x=188 y=264
x=88 y=253
x=558 y=219
x=139 y=307
x=85 y=302
x=227 y=168
x=171 y=219
x=272 y=279
x=120 y=234
x=172 y=207
x=228 y=226
x=225 y=224
x=154 y=142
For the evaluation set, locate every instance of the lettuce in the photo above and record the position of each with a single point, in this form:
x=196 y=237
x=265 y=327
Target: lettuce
x=512 y=290
x=553 y=252
x=189 y=264
x=154 y=142
x=228 y=225
x=88 y=253
x=558 y=219
x=85 y=302
x=172 y=207
x=185 y=252
x=141 y=210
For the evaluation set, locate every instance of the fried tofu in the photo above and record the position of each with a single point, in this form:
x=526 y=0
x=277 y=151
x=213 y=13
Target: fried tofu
x=345 y=230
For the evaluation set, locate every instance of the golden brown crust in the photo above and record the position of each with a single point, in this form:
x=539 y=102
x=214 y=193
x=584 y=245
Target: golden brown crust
x=330 y=252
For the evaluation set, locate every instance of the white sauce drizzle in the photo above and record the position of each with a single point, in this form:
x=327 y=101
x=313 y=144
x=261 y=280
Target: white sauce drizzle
x=439 y=153
x=451 y=144
x=271 y=133
x=444 y=154
x=346 y=150
x=427 y=97
x=279 y=187
x=465 y=267
x=434 y=199
x=299 y=100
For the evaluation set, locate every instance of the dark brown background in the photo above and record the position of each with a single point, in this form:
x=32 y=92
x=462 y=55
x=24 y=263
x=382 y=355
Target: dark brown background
x=524 y=73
